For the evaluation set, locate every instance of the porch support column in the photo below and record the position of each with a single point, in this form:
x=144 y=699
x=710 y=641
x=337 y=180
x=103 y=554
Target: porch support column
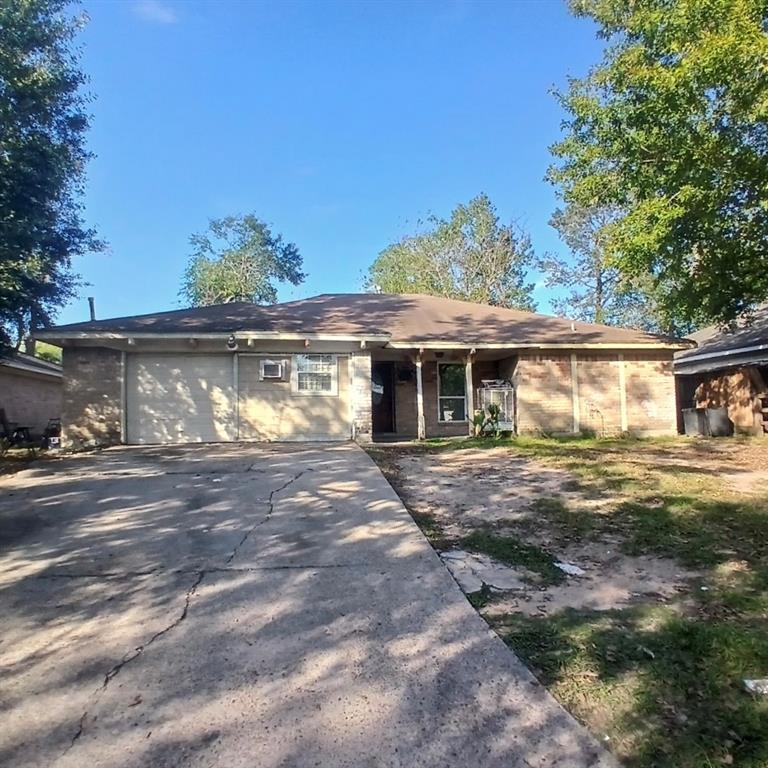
x=470 y=390
x=421 y=424
x=123 y=398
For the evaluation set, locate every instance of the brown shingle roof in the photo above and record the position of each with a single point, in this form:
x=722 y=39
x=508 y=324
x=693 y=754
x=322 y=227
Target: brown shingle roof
x=719 y=348
x=406 y=318
x=24 y=362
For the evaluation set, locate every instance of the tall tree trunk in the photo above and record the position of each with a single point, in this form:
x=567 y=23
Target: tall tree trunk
x=599 y=295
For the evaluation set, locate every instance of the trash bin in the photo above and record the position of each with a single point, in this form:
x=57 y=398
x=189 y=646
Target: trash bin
x=718 y=423
x=695 y=421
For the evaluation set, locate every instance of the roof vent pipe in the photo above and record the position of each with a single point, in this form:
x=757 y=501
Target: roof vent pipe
x=92 y=307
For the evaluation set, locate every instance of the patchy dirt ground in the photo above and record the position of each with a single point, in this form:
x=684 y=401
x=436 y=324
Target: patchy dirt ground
x=461 y=491
x=630 y=576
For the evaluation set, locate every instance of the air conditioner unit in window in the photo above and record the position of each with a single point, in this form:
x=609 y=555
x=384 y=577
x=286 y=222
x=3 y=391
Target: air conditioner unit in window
x=271 y=369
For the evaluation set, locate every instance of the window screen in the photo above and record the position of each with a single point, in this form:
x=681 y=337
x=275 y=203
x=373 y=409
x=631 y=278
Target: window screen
x=452 y=392
x=316 y=374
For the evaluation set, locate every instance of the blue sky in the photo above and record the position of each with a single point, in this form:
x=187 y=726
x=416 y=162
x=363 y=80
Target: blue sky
x=339 y=123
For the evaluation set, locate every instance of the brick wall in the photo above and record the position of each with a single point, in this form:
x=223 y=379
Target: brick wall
x=360 y=394
x=406 y=421
x=599 y=394
x=29 y=399
x=737 y=390
x=545 y=393
x=91 y=415
x=651 y=401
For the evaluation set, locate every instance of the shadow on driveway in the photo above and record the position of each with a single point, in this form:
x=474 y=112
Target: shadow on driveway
x=248 y=605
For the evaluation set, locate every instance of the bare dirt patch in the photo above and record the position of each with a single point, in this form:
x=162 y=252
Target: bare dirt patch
x=462 y=491
x=662 y=613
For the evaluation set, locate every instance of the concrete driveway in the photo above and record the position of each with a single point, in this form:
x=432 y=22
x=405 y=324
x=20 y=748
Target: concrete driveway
x=247 y=605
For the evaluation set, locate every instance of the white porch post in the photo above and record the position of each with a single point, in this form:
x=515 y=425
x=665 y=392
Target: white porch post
x=123 y=398
x=422 y=429
x=470 y=390
x=236 y=390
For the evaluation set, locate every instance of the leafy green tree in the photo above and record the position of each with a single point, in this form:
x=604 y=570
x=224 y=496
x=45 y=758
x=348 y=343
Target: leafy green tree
x=43 y=122
x=43 y=350
x=470 y=256
x=596 y=291
x=672 y=129
x=238 y=259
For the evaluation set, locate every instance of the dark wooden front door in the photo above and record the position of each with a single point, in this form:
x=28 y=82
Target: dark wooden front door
x=383 y=397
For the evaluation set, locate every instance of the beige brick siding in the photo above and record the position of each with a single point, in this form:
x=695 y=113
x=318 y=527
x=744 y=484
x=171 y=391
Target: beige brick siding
x=599 y=394
x=545 y=393
x=91 y=415
x=30 y=399
x=360 y=393
x=91 y=412
x=650 y=381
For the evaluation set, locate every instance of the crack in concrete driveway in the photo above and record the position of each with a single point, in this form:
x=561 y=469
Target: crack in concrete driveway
x=200 y=575
x=316 y=627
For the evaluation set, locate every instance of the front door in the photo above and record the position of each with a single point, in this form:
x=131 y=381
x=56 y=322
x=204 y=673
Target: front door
x=383 y=397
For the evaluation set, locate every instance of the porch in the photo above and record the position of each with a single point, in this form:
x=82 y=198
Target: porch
x=433 y=392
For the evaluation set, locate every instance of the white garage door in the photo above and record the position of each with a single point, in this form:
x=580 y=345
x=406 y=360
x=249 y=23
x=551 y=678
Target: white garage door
x=180 y=398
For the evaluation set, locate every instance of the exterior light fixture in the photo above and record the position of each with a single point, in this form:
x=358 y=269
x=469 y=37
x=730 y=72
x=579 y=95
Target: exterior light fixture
x=231 y=342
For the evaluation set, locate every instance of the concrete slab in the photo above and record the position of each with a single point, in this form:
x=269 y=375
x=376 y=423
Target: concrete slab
x=248 y=605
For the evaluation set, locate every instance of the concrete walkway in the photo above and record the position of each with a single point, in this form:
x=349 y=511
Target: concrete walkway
x=246 y=605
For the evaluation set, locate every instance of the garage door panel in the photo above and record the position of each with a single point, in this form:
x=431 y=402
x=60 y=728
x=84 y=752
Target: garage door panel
x=180 y=398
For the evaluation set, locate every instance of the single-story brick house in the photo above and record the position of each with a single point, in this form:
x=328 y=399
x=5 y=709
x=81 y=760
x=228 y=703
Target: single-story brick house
x=30 y=391
x=359 y=366
x=729 y=369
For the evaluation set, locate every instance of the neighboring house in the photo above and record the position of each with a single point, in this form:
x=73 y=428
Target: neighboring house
x=729 y=369
x=342 y=366
x=30 y=391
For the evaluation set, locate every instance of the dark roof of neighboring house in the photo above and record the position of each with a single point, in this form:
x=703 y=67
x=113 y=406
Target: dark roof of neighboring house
x=22 y=362
x=403 y=318
x=718 y=348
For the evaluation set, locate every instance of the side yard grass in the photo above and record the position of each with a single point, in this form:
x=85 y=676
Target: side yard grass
x=15 y=459
x=660 y=681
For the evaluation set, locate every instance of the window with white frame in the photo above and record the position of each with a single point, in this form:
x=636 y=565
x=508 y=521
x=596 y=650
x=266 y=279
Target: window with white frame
x=451 y=392
x=315 y=375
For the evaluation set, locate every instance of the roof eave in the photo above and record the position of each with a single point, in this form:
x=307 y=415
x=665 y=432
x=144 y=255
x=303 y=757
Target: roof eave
x=55 y=336
x=535 y=346
x=699 y=356
x=27 y=368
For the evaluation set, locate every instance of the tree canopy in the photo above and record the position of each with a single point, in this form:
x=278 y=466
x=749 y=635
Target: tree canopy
x=43 y=122
x=238 y=259
x=470 y=256
x=596 y=291
x=671 y=127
